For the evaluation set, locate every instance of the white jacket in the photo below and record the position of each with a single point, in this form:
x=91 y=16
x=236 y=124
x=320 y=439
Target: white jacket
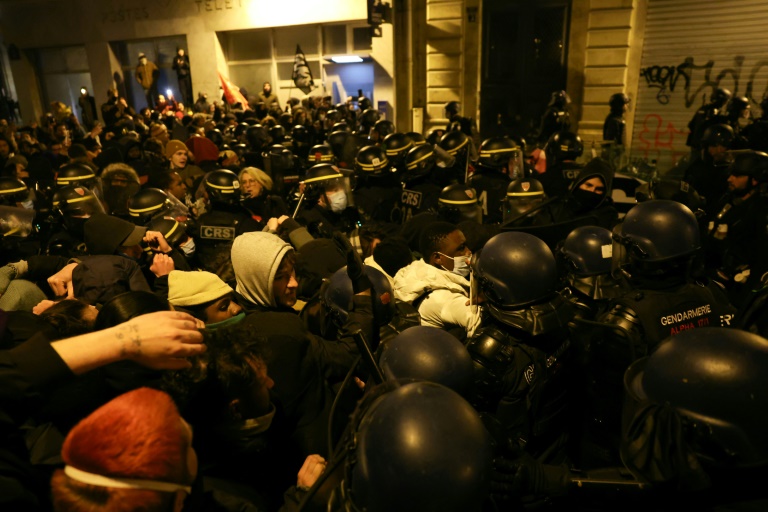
x=446 y=305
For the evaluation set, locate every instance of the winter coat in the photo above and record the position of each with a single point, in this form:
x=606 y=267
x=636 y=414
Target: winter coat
x=441 y=296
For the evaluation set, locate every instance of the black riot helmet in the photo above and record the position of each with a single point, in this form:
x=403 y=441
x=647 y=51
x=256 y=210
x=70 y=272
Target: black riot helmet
x=369 y=118
x=497 y=151
x=371 y=161
x=753 y=164
x=417 y=138
x=215 y=136
x=564 y=146
x=397 y=145
x=617 y=102
x=332 y=117
x=718 y=135
x=764 y=108
x=428 y=353
x=451 y=109
x=720 y=97
x=76 y=174
x=363 y=103
x=148 y=203
x=434 y=135
x=76 y=204
x=340 y=126
x=674 y=190
x=321 y=154
x=300 y=135
x=12 y=191
x=277 y=133
x=222 y=186
x=737 y=105
x=559 y=99
x=337 y=140
x=419 y=161
x=337 y=296
x=588 y=251
x=453 y=142
x=384 y=127
x=522 y=195
x=258 y=137
x=514 y=270
x=655 y=233
x=458 y=202
x=173 y=231
x=714 y=378
x=419 y=447
x=318 y=179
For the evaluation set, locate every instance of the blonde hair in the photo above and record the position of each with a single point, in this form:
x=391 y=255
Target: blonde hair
x=258 y=175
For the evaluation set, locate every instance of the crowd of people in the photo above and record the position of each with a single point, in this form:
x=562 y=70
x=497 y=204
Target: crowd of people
x=305 y=308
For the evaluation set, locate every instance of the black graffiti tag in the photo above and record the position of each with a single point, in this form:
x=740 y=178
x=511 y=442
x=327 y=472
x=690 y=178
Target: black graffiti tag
x=696 y=80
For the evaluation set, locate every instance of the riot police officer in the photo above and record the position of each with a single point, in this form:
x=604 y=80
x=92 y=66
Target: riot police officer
x=562 y=150
x=459 y=202
x=737 y=242
x=523 y=195
x=441 y=461
x=706 y=116
x=653 y=251
x=586 y=254
x=556 y=118
x=324 y=204
x=756 y=134
x=72 y=207
x=614 y=129
x=696 y=419
x=458 y=146
x=522 y=352
x=376 y=184
x=709 y=173
x=421 y=184
x=397 y=145
x=226 y=220
x=496 y=167
x=381 y=129
x=149 y=203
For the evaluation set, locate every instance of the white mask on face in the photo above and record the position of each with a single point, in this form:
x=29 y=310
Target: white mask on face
x=189 y=247
x=460 y=265
x=337 y=201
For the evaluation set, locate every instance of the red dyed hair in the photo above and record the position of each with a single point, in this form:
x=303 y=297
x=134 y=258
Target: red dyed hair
x=137 y=435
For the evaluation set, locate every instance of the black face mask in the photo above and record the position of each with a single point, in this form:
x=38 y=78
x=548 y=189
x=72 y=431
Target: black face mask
x=584 y=200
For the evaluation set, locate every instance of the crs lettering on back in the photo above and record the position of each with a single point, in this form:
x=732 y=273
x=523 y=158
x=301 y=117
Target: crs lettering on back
x=217 y=232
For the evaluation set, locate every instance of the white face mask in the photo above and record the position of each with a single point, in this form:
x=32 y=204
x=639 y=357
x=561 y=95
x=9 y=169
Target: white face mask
x=28 y=204
x=337 y=201
x=189 y=247
x=460 y=265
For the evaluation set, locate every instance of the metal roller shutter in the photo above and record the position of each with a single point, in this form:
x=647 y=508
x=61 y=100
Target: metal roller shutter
x=690 y=48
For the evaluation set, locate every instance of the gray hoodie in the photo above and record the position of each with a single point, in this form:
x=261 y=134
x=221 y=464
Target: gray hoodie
x=256 y=256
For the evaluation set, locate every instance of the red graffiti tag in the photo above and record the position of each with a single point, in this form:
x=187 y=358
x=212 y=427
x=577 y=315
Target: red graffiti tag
x=657 y=137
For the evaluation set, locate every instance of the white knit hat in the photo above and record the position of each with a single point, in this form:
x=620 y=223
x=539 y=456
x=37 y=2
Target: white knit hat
x=194 y=288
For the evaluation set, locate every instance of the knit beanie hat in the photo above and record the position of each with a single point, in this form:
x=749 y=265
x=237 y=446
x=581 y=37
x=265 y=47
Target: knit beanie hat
x=173 y=146
x=194 y=288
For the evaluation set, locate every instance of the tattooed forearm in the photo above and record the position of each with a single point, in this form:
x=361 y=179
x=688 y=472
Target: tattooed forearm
x=121 y=337
x=135 y=339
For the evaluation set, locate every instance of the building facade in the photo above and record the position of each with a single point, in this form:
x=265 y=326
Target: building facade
x=500 y=59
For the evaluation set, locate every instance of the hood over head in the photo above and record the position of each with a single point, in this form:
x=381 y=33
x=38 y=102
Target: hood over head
x=256 y=256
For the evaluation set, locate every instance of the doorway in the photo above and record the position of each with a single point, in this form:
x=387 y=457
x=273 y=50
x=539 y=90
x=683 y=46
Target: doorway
x=525 y=57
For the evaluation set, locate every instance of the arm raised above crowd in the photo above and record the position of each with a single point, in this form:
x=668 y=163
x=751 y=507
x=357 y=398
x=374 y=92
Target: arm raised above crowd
x=161 y=340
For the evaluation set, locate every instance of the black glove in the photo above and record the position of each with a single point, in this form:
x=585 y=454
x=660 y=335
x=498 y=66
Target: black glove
x=288 y=226
x=355 y=265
